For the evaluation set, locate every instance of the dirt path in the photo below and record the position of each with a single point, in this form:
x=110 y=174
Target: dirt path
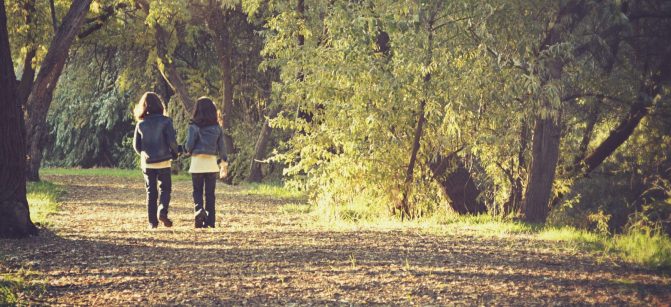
x=101 y=253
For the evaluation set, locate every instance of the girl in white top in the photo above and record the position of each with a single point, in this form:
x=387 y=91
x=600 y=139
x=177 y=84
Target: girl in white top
x=205 y=143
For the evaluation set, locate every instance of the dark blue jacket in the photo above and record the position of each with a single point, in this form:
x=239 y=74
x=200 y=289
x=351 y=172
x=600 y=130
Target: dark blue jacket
x=207 y=140
x=155 y=136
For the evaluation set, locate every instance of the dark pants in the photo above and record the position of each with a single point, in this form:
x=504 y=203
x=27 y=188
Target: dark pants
x=161 y=178
x=208 y=181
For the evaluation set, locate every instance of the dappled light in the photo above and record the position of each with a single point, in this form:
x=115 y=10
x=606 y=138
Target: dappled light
x=358 y=152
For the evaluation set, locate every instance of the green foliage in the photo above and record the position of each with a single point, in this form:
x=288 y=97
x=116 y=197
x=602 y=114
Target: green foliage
x=353 y=110
x=646 y=246
x=135 y=174
x=273 y=190
x=362 y=106
x=348 y=110
x=90 y=117
x=649 y=247
x=15 y=287
x=641 y=243
x=43 y=200
x=296 y=208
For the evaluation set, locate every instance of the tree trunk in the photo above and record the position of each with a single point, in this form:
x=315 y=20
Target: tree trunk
x=224 y=49
x=407 y=184
x=168 y=70
x=592 y=118
x=545 y=155
x=255 y=174
x=52 y=10
x=457 y=183
x=42 y=91
x=28 y=74
x=300 y=10
x=514 y=203
x=163 y=88
x=616 y=137
x=626 y=127
x=27 y=77
x=547 y=131
x=14 y=213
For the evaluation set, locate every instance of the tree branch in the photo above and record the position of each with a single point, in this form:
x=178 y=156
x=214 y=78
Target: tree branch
x=54 y=22
x=595 y=95
x=502 y=59
x=96 y=23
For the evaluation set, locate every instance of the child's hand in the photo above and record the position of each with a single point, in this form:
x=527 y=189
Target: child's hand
x=223 y=170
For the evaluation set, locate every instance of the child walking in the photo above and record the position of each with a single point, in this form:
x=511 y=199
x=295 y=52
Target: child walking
x=205 y=143
x=156 y=143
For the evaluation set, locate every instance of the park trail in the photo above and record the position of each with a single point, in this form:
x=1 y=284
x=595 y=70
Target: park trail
x=99 y=252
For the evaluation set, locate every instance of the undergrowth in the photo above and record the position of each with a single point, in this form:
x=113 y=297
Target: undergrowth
x=110 y=172
x=16 y=287
x=274 y=190
x=43 y=200
x=641 y=244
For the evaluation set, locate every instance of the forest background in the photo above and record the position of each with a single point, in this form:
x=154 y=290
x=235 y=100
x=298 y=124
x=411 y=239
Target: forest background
x=552 y=112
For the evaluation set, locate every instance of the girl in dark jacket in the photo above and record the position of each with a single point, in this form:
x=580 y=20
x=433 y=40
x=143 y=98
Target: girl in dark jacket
x=155 y=142
x=205 y=143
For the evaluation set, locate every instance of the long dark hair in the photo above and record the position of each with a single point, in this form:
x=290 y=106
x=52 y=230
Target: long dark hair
x=205 y=113
x=150 y=103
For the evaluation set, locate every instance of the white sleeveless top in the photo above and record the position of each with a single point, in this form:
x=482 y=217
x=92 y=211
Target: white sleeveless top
x=201 y=163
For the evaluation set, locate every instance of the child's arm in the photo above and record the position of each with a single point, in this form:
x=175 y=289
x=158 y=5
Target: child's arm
x=220 y=146
x=191 y=136
x=137 y=139
x=171 y=136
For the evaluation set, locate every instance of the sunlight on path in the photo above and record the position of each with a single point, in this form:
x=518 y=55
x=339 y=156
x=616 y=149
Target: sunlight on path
x=101 y=253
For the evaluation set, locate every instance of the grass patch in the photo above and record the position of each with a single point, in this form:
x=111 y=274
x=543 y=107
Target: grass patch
x=581 y=238
x=271 y=190
x=16 y=287
x=43 y=200
x=643 y=246
x=296 y=209
x=109 y=172
x=649 y=248
x=483 y=224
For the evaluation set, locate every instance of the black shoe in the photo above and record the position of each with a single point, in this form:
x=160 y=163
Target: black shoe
x=201 y=216
x=165 y=220
x=152 y=225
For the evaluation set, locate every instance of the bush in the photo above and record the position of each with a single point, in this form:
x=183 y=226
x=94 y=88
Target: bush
x=645 y=245
x=43 y=200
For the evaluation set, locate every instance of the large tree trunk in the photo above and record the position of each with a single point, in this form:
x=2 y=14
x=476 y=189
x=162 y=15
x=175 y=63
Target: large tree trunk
x=545 y=154
x=14 y=213
x=224 y=49
x=457 y=183
x=42 y=91
x=547 y=131
x=255 y=174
